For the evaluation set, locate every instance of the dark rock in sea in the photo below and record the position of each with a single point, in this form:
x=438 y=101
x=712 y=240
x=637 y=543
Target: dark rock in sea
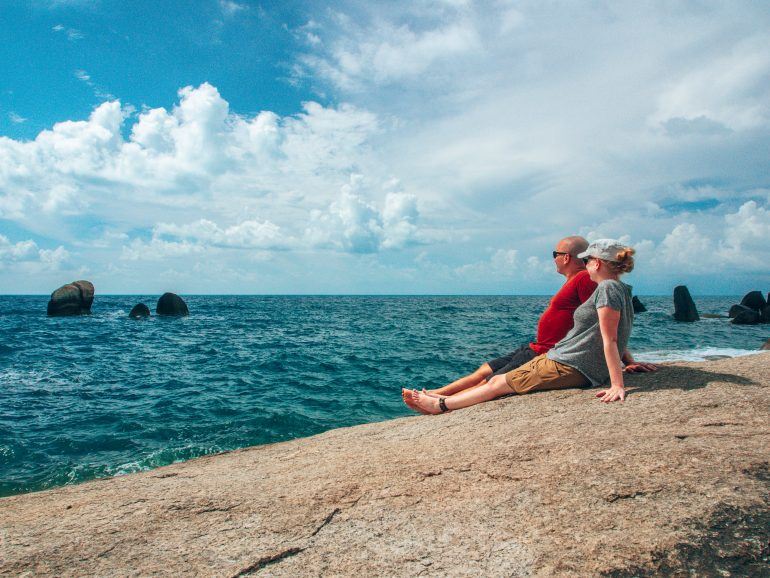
x=638 y=305
x=734 y=310
x=743 y=315
x=764 y=316
x=754 y=300
x=139 y=311
x=72 y=299
x=171 y=304
x=713 y=316
x=684 y=306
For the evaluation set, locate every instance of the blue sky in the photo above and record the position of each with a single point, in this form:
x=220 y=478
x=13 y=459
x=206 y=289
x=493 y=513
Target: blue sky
x=402 y=147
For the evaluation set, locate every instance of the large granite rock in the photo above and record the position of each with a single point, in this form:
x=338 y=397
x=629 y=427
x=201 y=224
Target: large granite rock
x=754 y=300
x=765 y=314
x=171 y=304
x=742 y=315
x=684 y=306
x=673 y=482
x=74 y=298
x=139 y=311
x=638 y=305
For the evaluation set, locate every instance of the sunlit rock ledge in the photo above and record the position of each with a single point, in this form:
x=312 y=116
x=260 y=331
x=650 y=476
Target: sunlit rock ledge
x=676 y=479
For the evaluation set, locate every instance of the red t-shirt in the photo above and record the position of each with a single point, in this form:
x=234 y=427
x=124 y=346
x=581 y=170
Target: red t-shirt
x=557 y=319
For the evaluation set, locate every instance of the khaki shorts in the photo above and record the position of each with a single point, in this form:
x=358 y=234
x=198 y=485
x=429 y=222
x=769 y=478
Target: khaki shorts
x=541 y=374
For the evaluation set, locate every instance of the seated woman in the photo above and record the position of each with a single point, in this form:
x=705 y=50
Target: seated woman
x=589 y=354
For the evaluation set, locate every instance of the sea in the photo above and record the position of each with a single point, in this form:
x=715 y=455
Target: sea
x=104 y=395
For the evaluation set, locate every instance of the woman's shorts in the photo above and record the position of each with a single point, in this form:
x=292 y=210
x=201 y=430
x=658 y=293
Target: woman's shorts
x=542 y=373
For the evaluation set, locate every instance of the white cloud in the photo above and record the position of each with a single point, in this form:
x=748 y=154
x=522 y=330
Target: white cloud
x=230 y=8
x=353 y=224
x=72 y=34
x=381 y=52
x=28 y=253
x=244 y=235
x=732 y=92
x=16 y=118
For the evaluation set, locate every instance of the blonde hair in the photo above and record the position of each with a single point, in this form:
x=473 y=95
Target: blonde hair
x=623 y=262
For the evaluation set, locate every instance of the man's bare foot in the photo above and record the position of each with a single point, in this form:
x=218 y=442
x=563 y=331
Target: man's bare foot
x=406 y=395
x=425 y=403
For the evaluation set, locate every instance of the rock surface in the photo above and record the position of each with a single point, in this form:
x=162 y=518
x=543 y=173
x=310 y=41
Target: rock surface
x=171 y=304
x=638 y=305
x=676 y=479
x=754 y=300
x=139 y=311
x=74 y=298
x=684 y=306
x=742 y=315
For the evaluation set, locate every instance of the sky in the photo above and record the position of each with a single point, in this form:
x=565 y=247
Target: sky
x=401 y=147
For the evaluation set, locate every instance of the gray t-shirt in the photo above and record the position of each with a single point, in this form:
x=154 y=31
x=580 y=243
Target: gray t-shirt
x=583 y=348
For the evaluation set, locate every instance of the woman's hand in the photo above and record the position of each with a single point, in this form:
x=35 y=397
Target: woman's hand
x=636 y=367
x=614 y=393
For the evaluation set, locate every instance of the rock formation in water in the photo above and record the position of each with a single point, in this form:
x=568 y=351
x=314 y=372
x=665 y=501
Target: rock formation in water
x=684 y=306
x=171 y=304
x=753 y=309
x=754 y=300
x=139 y=311
x=74 y=298
x=742 y=315
x=638 y=305
x=675 y=481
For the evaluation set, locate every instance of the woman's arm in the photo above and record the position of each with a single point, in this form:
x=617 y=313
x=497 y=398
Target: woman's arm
x=608 y=325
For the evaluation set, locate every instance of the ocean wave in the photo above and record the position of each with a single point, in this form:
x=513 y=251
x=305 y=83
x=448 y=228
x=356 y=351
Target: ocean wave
x=698 y=354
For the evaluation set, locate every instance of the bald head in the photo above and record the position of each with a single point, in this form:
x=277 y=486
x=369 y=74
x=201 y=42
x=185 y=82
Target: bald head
x=573 y=245
x=567 y=250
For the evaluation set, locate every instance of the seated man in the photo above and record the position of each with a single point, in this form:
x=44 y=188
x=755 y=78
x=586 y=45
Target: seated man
x=554 y=324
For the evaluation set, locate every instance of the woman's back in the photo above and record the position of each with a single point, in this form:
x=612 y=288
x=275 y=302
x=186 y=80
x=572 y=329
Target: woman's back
x=583 y=348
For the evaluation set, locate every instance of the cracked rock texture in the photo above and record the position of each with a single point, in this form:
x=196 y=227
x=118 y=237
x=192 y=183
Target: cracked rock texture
x=673 y=481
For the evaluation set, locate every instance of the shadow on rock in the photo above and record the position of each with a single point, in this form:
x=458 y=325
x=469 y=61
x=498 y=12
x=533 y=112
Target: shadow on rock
x=679 y=377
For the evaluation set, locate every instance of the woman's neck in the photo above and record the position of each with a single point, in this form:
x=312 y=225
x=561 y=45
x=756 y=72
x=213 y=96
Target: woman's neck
x=602 y=276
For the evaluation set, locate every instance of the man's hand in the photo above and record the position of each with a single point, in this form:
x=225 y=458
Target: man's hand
x=640 y=367
x=614 y=393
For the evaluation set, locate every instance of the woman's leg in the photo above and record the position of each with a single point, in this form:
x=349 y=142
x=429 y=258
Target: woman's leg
x=471 y=380
x=494 y=388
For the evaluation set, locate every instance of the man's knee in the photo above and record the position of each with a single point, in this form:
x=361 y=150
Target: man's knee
x=484 y=370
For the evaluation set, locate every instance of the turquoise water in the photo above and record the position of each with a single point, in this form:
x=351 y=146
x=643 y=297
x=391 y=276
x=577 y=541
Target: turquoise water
x=101 y=395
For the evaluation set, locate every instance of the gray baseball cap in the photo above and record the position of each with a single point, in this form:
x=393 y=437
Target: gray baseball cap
x=606 y=249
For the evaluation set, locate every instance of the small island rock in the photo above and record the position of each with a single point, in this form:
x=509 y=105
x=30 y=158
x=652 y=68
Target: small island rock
x=139 y=311
x=743 y=315
x=765 y=315
x=684 y=306
x=754 y=300
x=73 y=298
x=171 y=304
x=638 y=305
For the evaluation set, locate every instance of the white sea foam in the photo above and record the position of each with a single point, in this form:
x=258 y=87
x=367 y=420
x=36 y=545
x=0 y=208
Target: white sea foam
x=700 y=354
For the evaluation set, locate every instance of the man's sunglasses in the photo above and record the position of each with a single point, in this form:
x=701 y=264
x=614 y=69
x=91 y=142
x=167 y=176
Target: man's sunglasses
x=557 y=253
